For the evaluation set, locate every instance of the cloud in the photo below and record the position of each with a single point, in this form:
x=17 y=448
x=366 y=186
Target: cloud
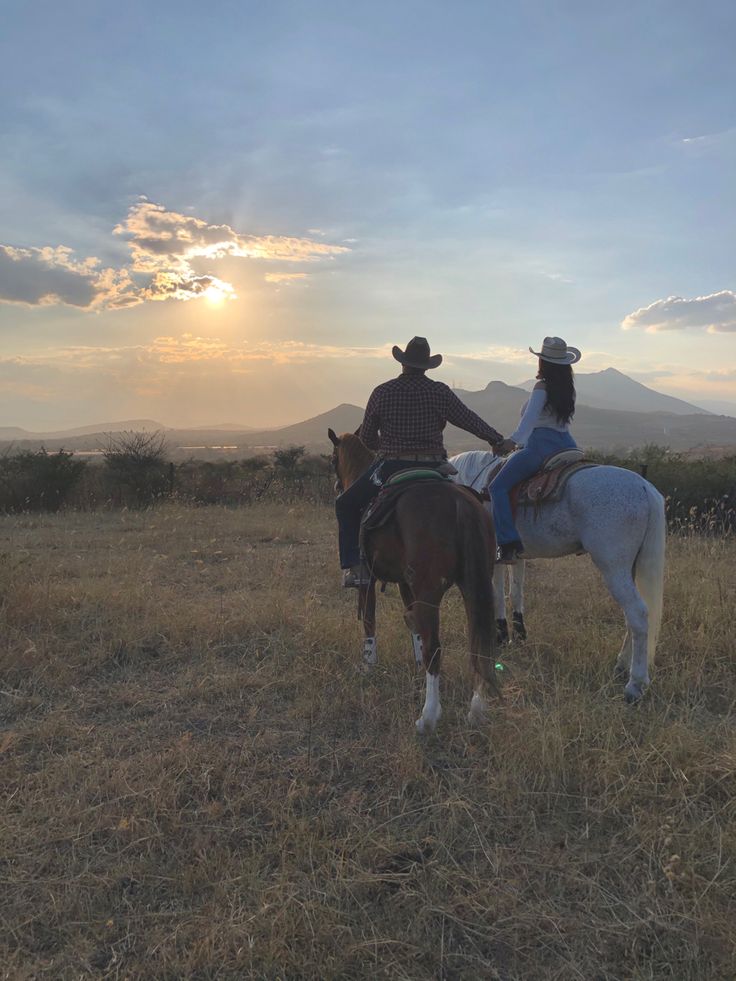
x=500 y=353
x=163 y=245
x=166 y=239
x=173 y=286
x=286 y=278
x=41 y=277
x=190 y=348
x=715 y=312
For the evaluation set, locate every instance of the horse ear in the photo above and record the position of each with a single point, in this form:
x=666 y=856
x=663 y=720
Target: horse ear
x=333 y=438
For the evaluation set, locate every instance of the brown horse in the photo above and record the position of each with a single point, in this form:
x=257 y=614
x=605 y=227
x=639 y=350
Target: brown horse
x=438 y=535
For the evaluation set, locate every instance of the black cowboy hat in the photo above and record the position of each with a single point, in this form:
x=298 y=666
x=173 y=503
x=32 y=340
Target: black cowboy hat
x=417 y=354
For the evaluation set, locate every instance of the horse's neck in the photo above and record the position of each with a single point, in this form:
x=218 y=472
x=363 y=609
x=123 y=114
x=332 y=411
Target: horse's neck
x=356 y=461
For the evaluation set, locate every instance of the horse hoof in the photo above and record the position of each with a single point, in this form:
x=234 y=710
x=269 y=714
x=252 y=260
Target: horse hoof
x=478 y=712
x=425 y=727
x=518 y=628
x=633 y=693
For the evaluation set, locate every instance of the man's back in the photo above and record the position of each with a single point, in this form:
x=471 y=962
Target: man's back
x=410 y=413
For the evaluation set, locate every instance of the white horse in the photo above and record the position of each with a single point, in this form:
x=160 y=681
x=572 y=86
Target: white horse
x=477 y=474
x=618 y=518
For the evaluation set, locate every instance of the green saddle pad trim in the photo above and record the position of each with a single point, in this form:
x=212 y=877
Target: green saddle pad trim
x=403 y=475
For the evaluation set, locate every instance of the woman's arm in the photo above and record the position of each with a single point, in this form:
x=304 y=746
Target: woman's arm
x=532 y=412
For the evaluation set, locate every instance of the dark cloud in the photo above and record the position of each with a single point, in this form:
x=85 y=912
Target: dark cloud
x=39 y=277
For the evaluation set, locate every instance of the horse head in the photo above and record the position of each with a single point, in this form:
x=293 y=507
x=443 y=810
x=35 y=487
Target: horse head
x=350 y=457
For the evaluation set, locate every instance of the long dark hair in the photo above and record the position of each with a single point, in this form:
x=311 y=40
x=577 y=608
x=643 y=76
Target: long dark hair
x=560 y=389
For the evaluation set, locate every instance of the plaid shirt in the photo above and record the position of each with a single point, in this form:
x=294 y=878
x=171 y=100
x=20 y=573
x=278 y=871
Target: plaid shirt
x=410 y=413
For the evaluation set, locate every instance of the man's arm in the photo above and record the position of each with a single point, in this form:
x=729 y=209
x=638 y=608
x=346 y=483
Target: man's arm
x=464 y=418
x=369 y=426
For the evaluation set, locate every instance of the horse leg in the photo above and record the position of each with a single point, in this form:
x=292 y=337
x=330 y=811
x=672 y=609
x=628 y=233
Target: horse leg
x=516 y=576
x=416 y=641
x=502 y=626
x=367 y=613
x=623 y=589
x=623 y=661
x=482 y=641
x=426 y=616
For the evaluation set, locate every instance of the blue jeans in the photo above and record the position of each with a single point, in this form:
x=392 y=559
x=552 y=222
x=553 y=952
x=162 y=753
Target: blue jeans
x=542 y=443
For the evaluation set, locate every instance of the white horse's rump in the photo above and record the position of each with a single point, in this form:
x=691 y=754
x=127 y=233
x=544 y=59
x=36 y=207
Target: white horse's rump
x=618 y=518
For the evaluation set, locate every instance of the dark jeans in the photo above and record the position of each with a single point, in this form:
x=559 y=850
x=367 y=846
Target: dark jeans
x=350 y=505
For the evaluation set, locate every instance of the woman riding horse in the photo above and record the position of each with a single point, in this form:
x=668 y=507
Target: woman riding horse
x=544 y=429
x=403 y=422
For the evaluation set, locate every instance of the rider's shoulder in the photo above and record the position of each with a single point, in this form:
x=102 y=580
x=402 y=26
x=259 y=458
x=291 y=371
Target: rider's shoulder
x=541 y=386
x=384 y=386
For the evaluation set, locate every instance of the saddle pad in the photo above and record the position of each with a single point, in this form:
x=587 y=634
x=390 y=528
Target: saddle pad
x=402 y=476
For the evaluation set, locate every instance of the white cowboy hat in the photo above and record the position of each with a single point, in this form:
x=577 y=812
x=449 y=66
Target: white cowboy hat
x=557 y=351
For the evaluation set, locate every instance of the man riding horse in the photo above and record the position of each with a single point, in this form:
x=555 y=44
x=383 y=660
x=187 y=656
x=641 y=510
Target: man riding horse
x=403 y=423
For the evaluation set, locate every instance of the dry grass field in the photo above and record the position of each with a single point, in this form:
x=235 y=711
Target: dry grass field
x=198 y=782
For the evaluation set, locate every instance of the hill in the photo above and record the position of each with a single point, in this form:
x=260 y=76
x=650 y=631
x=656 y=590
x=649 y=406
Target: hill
x=611 y=389
x=128 y=425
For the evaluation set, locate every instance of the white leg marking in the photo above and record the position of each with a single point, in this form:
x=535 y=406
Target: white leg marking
x=370 y=655
x=416 y=643
x=478 y=709
x=427 y=722
x=499 y=598
x=516 y=575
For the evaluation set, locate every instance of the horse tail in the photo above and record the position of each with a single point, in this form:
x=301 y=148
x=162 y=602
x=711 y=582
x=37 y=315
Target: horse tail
x=475 y=579
x=649 y=567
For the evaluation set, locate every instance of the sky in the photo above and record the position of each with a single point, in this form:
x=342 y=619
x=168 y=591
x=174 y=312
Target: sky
x=230 y=212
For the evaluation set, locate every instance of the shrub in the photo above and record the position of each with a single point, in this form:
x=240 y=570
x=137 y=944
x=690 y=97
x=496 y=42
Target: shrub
x=34 y=480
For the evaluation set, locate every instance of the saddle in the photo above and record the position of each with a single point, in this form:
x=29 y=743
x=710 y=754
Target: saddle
x=549 y=483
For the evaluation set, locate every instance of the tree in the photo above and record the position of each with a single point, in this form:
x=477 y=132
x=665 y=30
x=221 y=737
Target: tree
x=137 y=462
x=288 y=459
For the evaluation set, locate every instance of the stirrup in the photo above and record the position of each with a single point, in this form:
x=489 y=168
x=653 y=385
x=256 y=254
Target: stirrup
x=355 y=577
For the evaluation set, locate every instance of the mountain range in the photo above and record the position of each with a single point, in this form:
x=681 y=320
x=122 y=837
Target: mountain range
x=611 y=389
x=613 y=412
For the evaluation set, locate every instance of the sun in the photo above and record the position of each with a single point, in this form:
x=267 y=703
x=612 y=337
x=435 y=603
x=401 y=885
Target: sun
x=217 y=292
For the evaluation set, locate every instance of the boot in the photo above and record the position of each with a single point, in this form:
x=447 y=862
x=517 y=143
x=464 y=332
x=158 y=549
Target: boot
x=508 y=553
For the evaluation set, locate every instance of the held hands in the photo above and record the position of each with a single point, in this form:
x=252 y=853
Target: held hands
x=505 y=447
